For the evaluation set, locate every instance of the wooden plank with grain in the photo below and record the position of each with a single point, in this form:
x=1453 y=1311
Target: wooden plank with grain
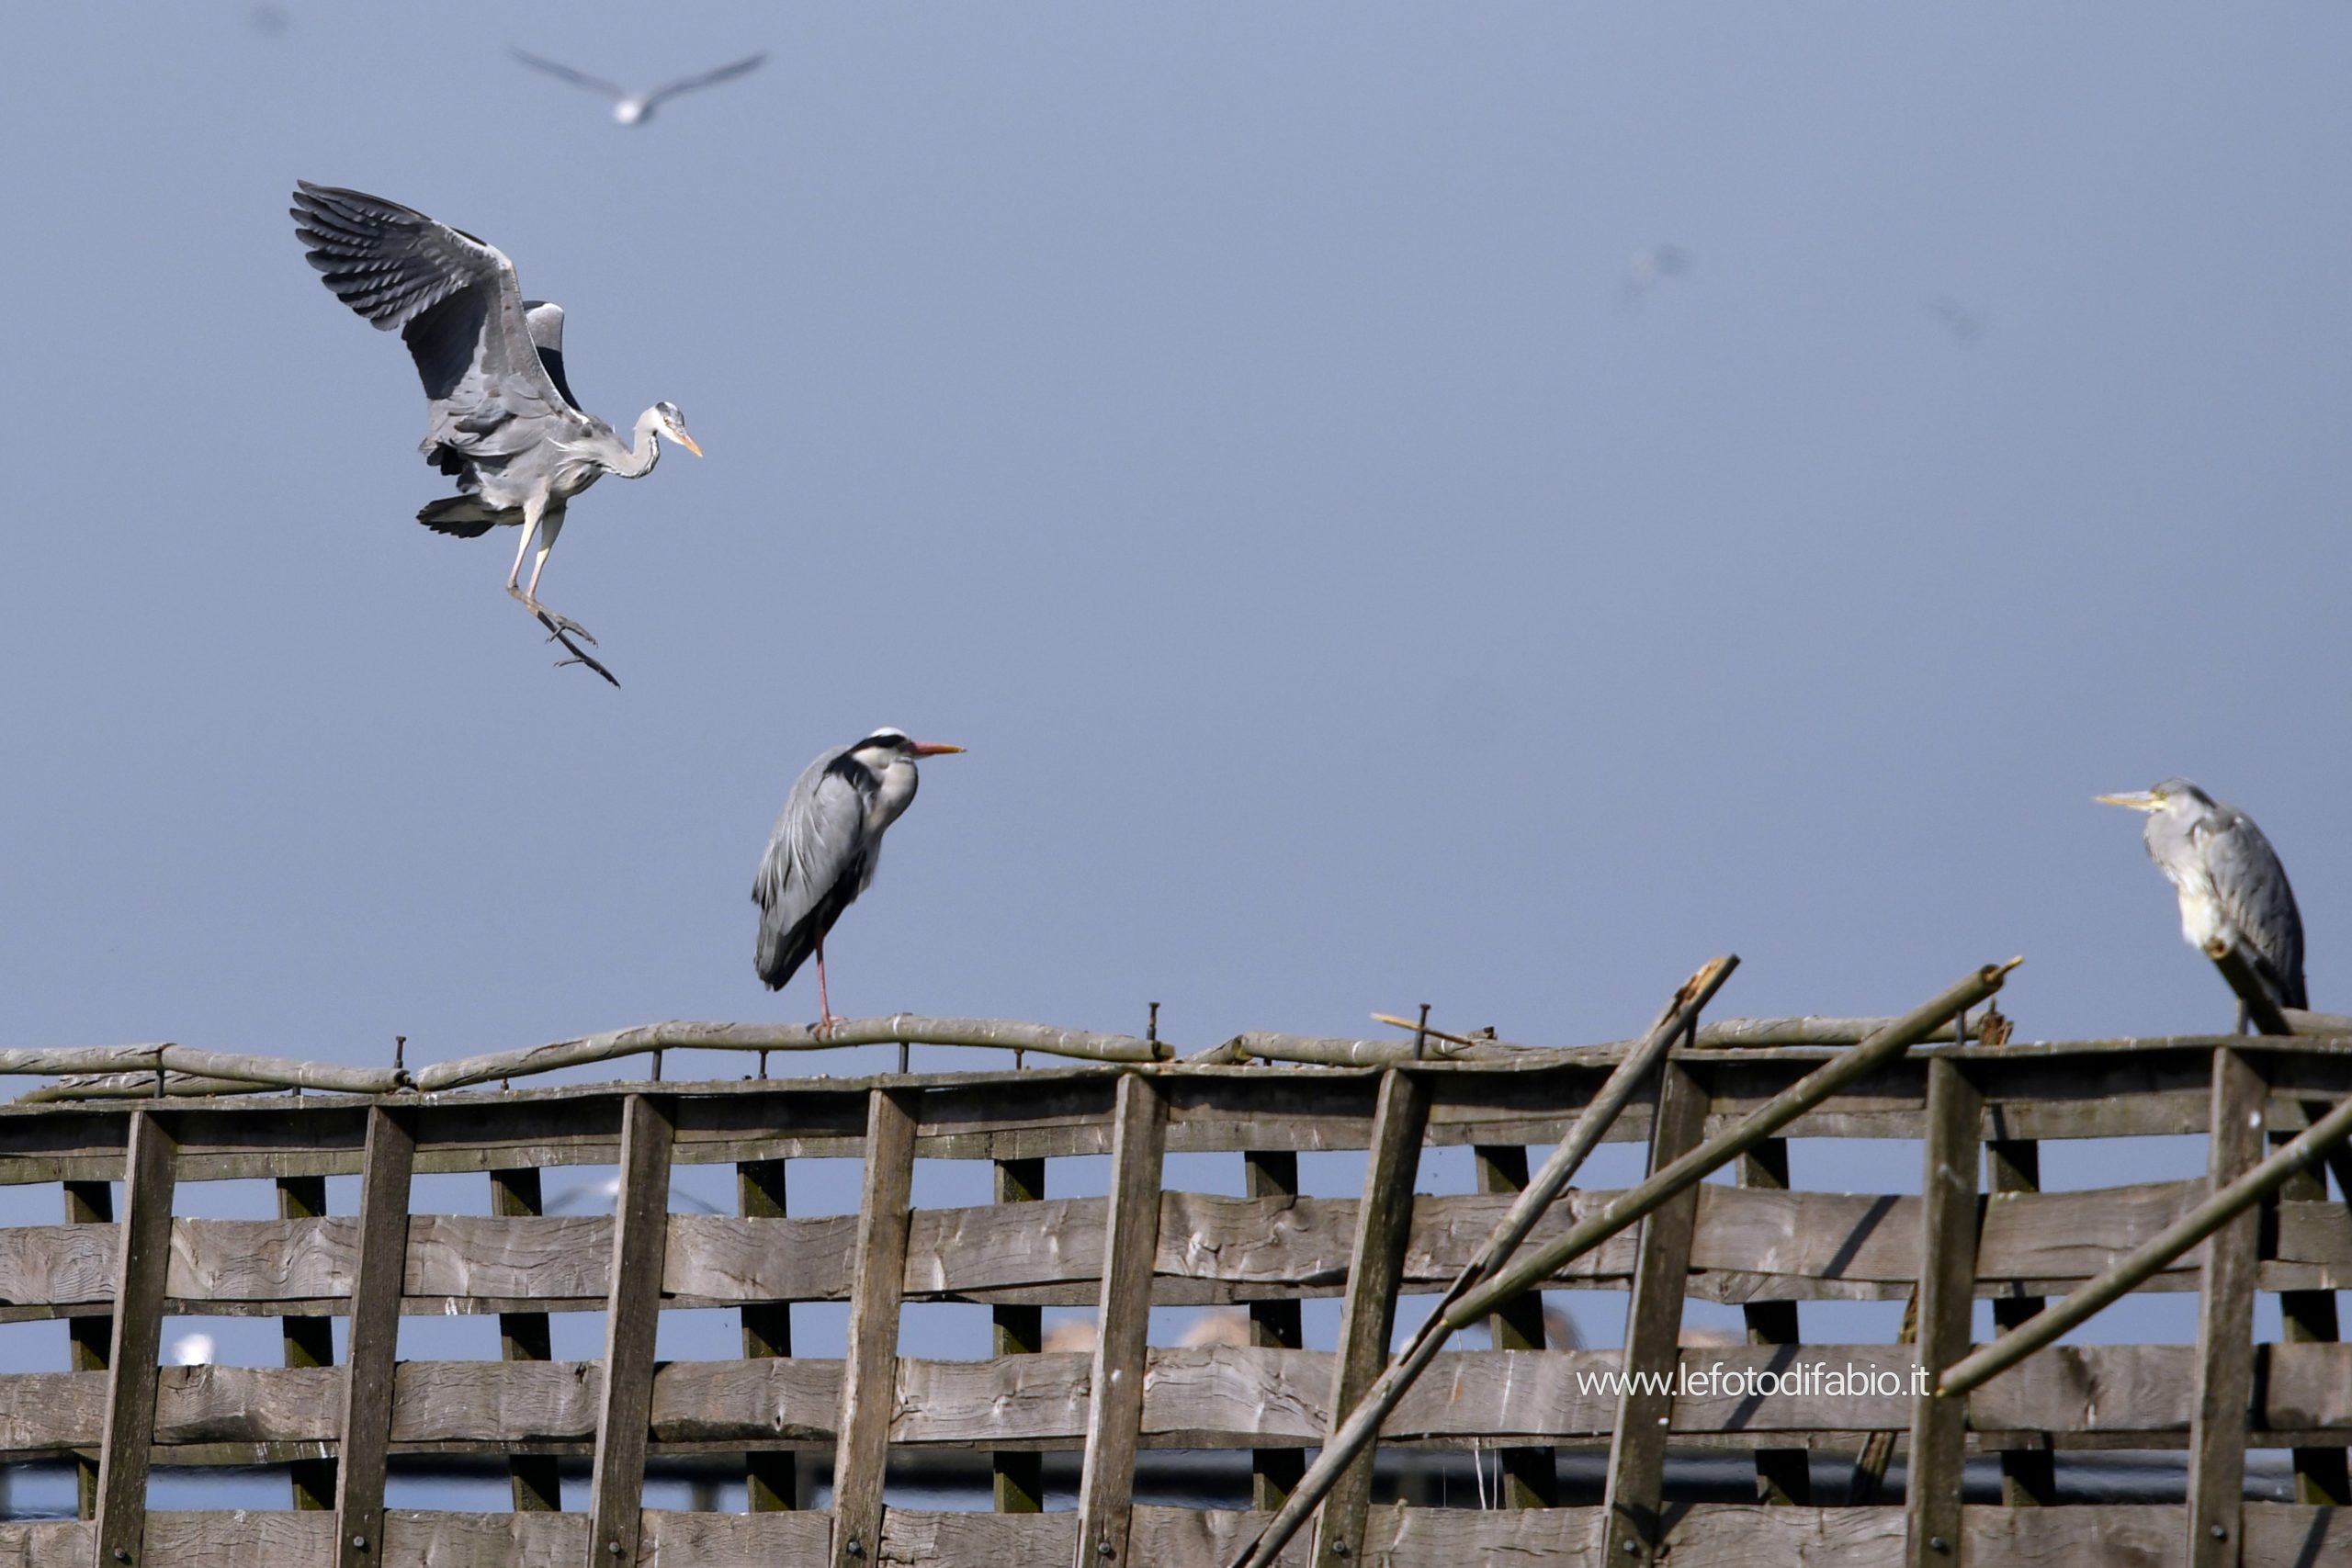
x=1122 y=1327
x=533 y=1479
x=770 y=1479
x=632 y=1318
x=2225 y=1322
x=372 y=1346
x=869 y=1376
x=1368 y=1313
x=1017 y=1476
x=142 y=1260
x=1276 y=1323
x=1948 y=1243
x=88 y=1203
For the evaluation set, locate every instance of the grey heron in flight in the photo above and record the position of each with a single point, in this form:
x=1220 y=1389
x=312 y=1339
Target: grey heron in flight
x=500 y=416
x=825 y=847
x=2230 y=881
x=636 y=108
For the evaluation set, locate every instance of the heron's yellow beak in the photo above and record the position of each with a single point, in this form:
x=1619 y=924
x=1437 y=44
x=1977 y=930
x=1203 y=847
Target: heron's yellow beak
x=2140 y=800
x=690 y=444
x=933 y=749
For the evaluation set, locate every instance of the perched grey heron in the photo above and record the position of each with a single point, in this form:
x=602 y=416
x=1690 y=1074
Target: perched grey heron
x=636 y=108
x=2230 y=881
x=825 y=847
x=500 y=416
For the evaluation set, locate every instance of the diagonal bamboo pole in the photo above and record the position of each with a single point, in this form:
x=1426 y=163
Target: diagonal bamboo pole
x=1463 y=1307
x=1585 y=1132
x=2149 y=1258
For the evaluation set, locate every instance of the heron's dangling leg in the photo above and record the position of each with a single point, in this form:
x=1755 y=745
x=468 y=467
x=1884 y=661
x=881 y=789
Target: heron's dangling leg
x=544 y=525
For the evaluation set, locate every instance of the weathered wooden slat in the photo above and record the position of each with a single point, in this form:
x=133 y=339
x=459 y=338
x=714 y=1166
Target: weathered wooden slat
x=373 y=1343
x=1783 y=1476
x=1949 y=1206
x=771 y=1480
x=307 y=1341
x=2310 y=1317
x=88 y=1202
x=140 y=1264
x=861 y=1455
x=2013 y=1165
x=1122 y=1327
x=1632 y=1528
x=414 y=1538
x=534 y=1480
x=1017 y=1479
x=1530 y=1478
x=640 y=1229
x=1275 y=1324
x=2226 y=1324
x=1368 y=1316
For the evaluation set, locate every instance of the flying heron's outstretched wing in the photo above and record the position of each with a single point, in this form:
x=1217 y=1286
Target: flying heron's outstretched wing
x=815 y=864
x=2251 y=886
x=706 y=79
x=545 y=320
x=566 y=73
x=456 y=302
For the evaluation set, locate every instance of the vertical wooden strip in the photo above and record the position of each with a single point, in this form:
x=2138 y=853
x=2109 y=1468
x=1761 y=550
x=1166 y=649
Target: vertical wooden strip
x=1783 y=1476
x=374 y=1337
x=2308 y=1317
x=307 y=1342
x=877 y=1286
x=1275 y=1326
x=534 y=1480
x=87 y=1338
x=1368 y=1311
x=142 y=1260
x=771 y=1477
x=2029 y=1476
x=1632 y=1522
x=1123 y=1324
x=1949 y=1226
x=1019 y=1476
x=2226 y=1324
x=1531 y=1476
x=632 y=1318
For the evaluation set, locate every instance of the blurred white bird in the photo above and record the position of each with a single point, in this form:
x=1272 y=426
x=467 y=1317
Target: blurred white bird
x=636 y=108
x=1650 y=263
x=192 y=1351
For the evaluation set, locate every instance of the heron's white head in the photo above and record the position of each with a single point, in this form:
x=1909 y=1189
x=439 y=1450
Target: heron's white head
x=891 y=744
x=669 y=422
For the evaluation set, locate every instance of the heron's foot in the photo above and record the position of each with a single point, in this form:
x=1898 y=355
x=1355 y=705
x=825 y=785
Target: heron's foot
x=824 y=1027
x=559 y=632
x=562 y=626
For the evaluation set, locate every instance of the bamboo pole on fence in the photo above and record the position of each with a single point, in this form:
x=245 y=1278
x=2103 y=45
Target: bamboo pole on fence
x=52 y=1061
x=1465 y=1305
x=2149 y=1259
x=897 y=1028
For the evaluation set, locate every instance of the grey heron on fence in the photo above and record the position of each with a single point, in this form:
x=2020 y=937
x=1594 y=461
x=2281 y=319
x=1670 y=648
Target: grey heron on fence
x=636 y=108
x=2231 y=885
x=825 y=846
x=501 y=418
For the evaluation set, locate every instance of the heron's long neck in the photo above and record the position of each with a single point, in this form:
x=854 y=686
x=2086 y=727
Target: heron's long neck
x=645 y=449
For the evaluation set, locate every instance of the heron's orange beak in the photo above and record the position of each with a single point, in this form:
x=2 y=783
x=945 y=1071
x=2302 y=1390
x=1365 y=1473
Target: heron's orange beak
x=933 y=749
x=2143 y=800
x=690 y=444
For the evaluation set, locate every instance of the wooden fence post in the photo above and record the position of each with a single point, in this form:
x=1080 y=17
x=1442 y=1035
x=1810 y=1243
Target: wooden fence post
x=1949 y=1210
x=1122 y=1324
x=2225 y=1322
x=1634 y=1524
x=632 y=1321
x=771 y=1476
x=143 y=1261
x=1783 y=1476
x=534 y=1480
x=1018 y=1476
x=1384 y=1223
x=2308 y=1317
x=1531 y=1476
x=307 y=1341
x=374 y=1337
x=2029 y=1476
x=877 y=1287
x=88 y=1338
x=1274 y=1325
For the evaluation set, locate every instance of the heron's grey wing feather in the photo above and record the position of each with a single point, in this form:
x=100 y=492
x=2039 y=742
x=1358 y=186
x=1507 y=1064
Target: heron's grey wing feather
x=458 y=306
x=2260 y=903
x=711 y=78
x=545 y=320
x=566 y=73
x=814 y=857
